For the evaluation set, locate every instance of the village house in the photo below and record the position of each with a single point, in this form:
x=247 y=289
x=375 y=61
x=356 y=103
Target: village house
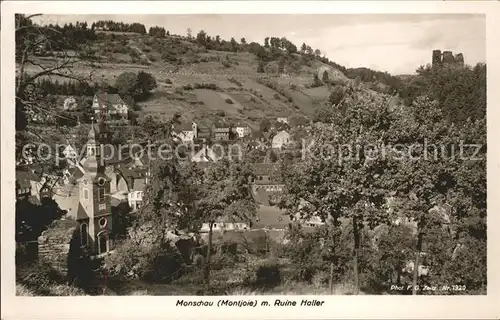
x=70 y=104
x=242 y=130
x=225 y=225
x=280 y=140
x=24 y=185
x=186 y=132
x=109 y=108
x=205 y=154
x=221 y=132
x=282 y=119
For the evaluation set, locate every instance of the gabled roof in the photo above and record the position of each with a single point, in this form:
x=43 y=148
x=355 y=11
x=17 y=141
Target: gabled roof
x=139 y=184
x=75 y=172
x=110 y=98
x=183 y=127
x=81 y=213
x=270 y=216
x=241 y=124
x=23 y=178
x=221 y=125
x=263 y=169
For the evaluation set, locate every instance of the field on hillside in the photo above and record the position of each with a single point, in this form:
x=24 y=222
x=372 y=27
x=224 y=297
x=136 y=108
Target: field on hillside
x=243 y=94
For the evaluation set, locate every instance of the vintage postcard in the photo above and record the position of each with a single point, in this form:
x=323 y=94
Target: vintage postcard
x=234 y=160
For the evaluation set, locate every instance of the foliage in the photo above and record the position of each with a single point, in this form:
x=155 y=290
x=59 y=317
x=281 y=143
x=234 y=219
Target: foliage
x=38 y=278
x=265 y=125
x=152 y=263
x=110 y=25
x=268 y=275
x=395 y=248
x=33 y=218
x=460 y=91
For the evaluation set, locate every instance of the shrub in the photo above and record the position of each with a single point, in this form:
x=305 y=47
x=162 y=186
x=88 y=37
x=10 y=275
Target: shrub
x=268 y=275
x=209 y=86
x=226 y=64
x=188 y=87
x=179 y=90
x=229 y=101
x=150 y=263
x=276 y=96
x=236 y=82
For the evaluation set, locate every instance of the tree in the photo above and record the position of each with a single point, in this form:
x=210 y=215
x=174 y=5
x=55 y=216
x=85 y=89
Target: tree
x=234 y=45
x=224 y=194
x=243 y=41
x=303 y=48
x=266 y=42
x=201 y=38
x=127 y=84
x=189 y=33
x=325 y=78
x=317 y=52
x=441 y=178
x=316 y=81
x=146 y=82
x=264 y=125
x=260 y=68
x=351 y=186
x=30 y=37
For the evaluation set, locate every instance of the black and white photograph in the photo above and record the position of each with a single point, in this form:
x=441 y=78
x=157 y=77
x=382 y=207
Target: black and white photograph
x=249 y=155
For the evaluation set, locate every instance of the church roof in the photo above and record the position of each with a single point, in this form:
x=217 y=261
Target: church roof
x=81 y=213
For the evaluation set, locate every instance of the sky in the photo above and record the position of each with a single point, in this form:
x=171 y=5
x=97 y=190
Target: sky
x=396 y=43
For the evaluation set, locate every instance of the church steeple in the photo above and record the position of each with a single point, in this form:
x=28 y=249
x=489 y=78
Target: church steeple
x=91 y=164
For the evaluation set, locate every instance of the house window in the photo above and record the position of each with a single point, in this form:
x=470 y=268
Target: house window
x=100 y=194
x=84 y=235
x=103 y=242
x=102 y=206
x=85 y=194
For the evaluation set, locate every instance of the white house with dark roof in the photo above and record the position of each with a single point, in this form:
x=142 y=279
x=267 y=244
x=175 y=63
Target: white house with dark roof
x=280 y=140
x=70 y=104
x=110 y=108
x=282 y=118
x=242 y=130
x=186 y=132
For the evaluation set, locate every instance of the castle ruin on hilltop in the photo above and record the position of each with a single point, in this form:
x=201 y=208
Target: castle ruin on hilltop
x=447 y=58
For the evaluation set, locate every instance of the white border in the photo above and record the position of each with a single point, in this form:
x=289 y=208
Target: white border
x=164 y=307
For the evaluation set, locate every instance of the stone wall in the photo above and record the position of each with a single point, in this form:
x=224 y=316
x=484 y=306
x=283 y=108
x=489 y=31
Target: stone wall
x=54 y=244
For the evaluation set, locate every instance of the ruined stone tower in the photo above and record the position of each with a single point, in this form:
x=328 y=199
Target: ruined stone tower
x=448 y=58
x=459 y=59
x=436 y=58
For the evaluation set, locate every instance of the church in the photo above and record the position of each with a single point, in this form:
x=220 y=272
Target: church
x=103 y=185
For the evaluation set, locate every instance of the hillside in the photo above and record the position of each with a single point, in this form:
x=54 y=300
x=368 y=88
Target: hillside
x=207 y=84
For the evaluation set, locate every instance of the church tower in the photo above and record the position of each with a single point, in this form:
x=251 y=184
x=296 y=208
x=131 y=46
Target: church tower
x=195 y=130
x=94 y=209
